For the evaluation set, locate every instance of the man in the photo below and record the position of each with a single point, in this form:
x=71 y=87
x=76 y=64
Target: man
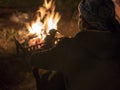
x=88 y=60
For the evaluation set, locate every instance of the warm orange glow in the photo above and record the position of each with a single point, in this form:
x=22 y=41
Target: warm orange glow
x=46 y=19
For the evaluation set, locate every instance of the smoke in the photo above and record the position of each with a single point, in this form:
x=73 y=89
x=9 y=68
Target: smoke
x=20 y=17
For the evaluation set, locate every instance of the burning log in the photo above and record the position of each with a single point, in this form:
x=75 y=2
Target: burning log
x=25 y=47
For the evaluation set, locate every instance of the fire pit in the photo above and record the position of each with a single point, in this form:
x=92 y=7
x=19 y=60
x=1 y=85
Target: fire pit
x=41 y=33
x=49 y=42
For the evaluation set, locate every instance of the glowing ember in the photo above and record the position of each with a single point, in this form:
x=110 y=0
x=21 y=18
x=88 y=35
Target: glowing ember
x=45 y=20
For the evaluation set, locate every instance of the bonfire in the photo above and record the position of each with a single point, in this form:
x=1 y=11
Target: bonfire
x=42 y=31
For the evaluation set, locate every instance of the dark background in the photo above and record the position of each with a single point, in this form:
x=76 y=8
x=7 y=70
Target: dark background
x=90 y=60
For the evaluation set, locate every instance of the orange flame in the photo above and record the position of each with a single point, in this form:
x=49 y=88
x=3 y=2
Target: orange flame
x=46 y=20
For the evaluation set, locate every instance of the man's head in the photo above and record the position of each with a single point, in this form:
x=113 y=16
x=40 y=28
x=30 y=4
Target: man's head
x=98 y=14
